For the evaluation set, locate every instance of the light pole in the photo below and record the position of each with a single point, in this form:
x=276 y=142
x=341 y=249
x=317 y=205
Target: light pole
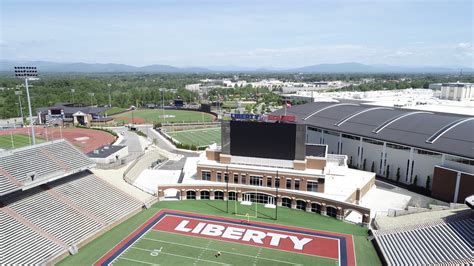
x=72 y=94
x=110 y=96
x=28 y=73
x=92 y=95
x=19 y=93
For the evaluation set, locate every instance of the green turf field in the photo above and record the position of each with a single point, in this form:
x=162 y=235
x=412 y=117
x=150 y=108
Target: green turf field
x=19 y=140
x=198 y=137
x=365 y=252
x=170 y=116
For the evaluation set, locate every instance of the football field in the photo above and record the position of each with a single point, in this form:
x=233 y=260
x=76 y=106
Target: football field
x=197 y=137
x=181 y=238
x=13 y=141
x=192 y=232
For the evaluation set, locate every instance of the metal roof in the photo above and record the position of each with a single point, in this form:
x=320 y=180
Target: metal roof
x=440 y=132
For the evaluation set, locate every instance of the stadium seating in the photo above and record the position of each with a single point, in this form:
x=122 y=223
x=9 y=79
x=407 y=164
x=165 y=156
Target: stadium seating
x=22 y=245
x=430 y=243
x=45 y=220
x=46 y=160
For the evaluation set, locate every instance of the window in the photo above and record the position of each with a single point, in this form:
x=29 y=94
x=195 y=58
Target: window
x=205 y=175
x=232 y=196
x=297 y=185
x=205 y=195
x=219 y=177
x=269 y=181
x=226 y=177
x=312 y=186
x=316 y=208
x=301 y=204
x=244 y=180
x=236 y=178
x=277 y=182
x=218 y=195
x=191 y=195
x=256 y=180
x=288 y=183
x=331 y=211
x=286 y=202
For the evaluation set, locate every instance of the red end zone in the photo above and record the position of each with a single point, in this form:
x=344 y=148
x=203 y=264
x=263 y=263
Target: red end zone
x=248 y=235
x=291 y=239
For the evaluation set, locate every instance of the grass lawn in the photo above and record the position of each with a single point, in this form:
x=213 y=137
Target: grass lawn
x=19 y=140
x=115 y=110
x=170 y=116
x=365 y=252
x=198 y=137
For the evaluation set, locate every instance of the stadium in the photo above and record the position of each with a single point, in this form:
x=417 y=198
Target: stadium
x=268 y=193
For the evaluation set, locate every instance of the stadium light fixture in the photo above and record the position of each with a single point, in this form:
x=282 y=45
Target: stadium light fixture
x=110 y=96
x=92 y=95
x=28 y=73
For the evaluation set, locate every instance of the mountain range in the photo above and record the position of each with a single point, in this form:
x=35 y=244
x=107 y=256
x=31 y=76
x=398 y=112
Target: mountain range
x=54 y=67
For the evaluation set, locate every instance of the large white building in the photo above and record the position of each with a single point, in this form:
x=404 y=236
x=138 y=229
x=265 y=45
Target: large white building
x=457 y=91
x=399 y=144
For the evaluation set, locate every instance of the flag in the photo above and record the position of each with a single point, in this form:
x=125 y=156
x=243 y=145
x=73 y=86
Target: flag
x=287 y=104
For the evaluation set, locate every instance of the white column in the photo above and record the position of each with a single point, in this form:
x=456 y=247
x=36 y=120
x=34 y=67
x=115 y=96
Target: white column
x=359 y=158
x=410 y=159
x=456 y=190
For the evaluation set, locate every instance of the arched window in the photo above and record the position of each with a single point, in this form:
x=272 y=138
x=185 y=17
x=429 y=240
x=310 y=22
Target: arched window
x=218 y=195
x=331 y=211
x=205 y=195
x=301 y=205
x=286 y=202
x=315 y=207
x=190 y=194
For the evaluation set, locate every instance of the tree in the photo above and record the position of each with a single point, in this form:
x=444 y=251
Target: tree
x=363 y=165
x=428 y=182
x=398 y=174
x=372 y=168
x=415 y=180
x=388 y=171
x=350 y=162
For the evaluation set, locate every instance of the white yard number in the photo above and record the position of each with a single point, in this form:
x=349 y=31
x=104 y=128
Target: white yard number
x=156 y=252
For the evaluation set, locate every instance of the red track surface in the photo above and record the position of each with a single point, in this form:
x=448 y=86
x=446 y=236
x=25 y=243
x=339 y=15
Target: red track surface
x=91 y=139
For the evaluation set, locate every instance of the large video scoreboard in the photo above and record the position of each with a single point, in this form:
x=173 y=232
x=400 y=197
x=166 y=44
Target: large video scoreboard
x=285 y=141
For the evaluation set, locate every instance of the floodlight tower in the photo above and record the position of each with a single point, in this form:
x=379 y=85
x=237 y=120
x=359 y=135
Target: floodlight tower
x=28 y=73
x=92 y=95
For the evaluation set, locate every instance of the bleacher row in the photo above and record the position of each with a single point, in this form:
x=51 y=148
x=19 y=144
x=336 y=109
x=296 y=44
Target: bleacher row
x=441 y=242
x=42 y=222
x=45 y=160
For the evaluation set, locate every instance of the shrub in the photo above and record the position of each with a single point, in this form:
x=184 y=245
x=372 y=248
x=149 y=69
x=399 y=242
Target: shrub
x=415 y=180
x=388 y=171
x=372 y=168
x=428 y=182
x=398 y=174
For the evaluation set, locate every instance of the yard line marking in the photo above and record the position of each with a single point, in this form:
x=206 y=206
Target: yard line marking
x=228 y=252
x=139 y=261
x=256 y=257
x=202 y=252
x=181 y=256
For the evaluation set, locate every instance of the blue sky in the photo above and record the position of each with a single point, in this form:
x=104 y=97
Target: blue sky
x=243 y=33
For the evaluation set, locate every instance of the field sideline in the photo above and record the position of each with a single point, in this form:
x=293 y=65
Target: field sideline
x=89 y=254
